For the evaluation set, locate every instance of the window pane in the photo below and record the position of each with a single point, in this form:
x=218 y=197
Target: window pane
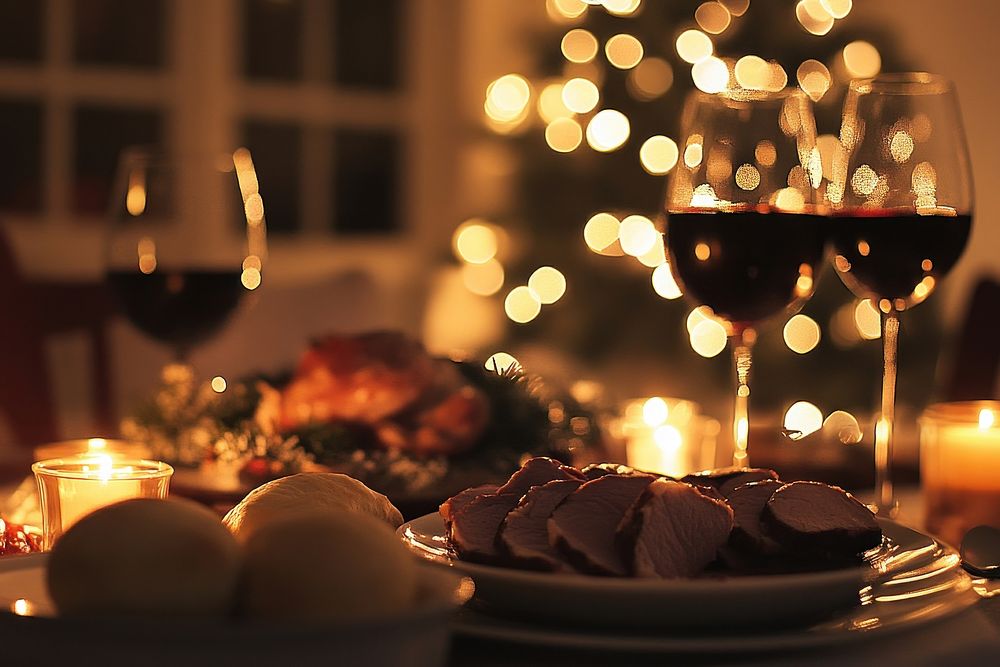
x=99 y=137
x=119 y=32
x=21 y=30
x=276 y=152
x=21 y=166
x=366 y=43
x=272 y=39
x=366 y=182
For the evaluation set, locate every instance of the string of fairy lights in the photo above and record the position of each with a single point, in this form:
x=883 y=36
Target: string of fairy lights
x=570 y=110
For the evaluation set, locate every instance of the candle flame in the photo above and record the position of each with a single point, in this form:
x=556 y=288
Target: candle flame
x=655 y=411
x=100 y=466
x=986 y=419
x=95 y=444
x=21 y=607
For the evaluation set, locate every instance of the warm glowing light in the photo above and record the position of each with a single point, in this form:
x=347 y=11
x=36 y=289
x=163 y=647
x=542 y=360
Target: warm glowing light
x=710 y=75
x=986 y=419
x=664 y=283
x=550 y=103
x=713 y=17
x=621 y=7
x=655 y=411
x=765 y=153
x=218 y=384
x=843 y=426
x=702 y=251
x=579 y=46
x=864 y=180
x=607 y=130
x=789 y=199
x=864 y=248
x=475 y=242
x=623 y=51
x=601 y=232
x=697 y=316
x=146 y=251
x=708 y=338
x=924 y=288
x=21 y=607
x=147 y=263
x=831 y=151
x=638 y=235
x=483 y=279
x=548 y=283
x=522 y=304
x=252 y=261
x=668 y=438
x=736 y=7
x=250 y=278
x=814 y=79
x=694 y=46
x=924 y=180
x=813 y=17
x=753 y=73
x=501 y=362
x=778 y=79
x=245 y=173
x=693 y=153
x=563 y=135
x=838 y=9
x=507 y=98
x=658 y=154
x=653 y=257
x=801 y=334
x=867 y=320
x=254 y=208
x=580 y=95
x=651 y=78
x=704 y=196
x=862 y=59
x=135 y=197
x=901 y=146
x=803 y=417
x=747 y=177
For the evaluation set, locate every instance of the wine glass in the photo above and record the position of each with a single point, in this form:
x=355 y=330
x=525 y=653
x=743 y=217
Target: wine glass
x=743 y=235
x=187 y=240
x=901 y=212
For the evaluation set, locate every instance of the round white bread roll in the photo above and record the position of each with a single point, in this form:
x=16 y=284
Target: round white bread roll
x=307 y=492
x=146 y=557
x=326 y=567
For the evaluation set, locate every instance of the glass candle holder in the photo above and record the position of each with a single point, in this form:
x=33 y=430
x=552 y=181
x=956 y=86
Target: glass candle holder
x=960 y=467
x=668 y=436
x=70 y=488
x=95 y=446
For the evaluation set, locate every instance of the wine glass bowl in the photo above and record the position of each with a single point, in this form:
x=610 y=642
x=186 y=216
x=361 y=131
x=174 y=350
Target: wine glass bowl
x=743 y=234
x=185 y=243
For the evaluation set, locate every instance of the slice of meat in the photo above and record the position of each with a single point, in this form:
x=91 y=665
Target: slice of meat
x=583 y=527
x=524 y=534
x=813 y=516
x=473 y=533
x=595 y=470
x=674 y=530
x=727 y=479
x=457 y=503
x=747 y=502
x=537 y=471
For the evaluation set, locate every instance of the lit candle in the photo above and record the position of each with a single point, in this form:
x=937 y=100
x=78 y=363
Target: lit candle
x=71 y=488
x=667 y=436
x=960 y=466
x=67 y=448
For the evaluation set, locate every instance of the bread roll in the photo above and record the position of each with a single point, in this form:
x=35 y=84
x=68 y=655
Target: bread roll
x=307 y=493
x=145 y=557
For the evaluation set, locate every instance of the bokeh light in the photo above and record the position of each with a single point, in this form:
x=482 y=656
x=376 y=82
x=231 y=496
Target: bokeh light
x=708 y=338
x=580 y=95
x=713 y=17
x=765 y=153
x=601 y=233
x=867 y=320
x=607 y=130
x=747 y=177
x=548 y=283
x=621 y=7
x=862 y=60
x=218 y=384
x=697 y=316
x=803 y=417
x=901 y=146
x=507 y=98
x=694 y=46
x=664 y=283
x=522 y=304
x=838 y=9
x=638 y=235
x=710 y=75
x=753 y=72
x=579 y=46
x=814 y=78
x=653 y=257
x=658 y=154
x=843 y=426
x=483 y=279
x=569 y=9
x=550 y=103
x=864 y=180
x=623 y=51
x=563 y=135
x=655 y=411
x=736 y=7
x=475 y=242
x=813 y=17
x=501 y=362
x=651 y=78
x=250 y=278
x=801 y=334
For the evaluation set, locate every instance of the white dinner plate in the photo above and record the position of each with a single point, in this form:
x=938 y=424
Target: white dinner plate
x=915 y=579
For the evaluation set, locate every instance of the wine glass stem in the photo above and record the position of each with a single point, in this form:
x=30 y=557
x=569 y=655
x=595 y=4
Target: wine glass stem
x=886 y=504
x=741 y=343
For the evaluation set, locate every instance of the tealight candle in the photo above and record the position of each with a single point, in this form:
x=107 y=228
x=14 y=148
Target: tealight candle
x=72 y=487
x=960 y=466
x=667 y=436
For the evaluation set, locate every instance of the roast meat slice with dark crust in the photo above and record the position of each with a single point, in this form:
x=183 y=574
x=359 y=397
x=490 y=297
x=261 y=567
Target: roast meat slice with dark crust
x=747 y=502
x=474 y=529
x=457 y=503
x=674 y=530
x=812 y=516
x=727 y=479
x=583 y=527
x=595 y=470
x=537 y=471
x=524 y=533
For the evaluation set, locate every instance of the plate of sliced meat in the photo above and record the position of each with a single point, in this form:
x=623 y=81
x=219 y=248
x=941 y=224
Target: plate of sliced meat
x=609 y=547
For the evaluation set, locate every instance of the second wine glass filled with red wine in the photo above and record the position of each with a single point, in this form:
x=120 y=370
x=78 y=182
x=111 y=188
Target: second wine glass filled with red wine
x=743 y=235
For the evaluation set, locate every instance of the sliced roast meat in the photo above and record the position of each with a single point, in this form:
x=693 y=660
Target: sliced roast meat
x=583 y=527
x=813 y=516
x=457 y=503
x=595 y=470
x=474 y=529
x=727 y=479
x=524 y=533
x=674 y=530
x=747 y=502
x=537 y=471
